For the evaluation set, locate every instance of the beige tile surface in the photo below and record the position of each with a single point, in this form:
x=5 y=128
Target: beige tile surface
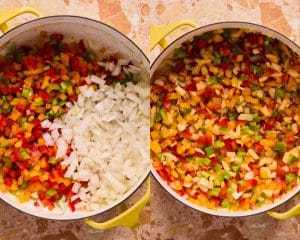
x=169 y=219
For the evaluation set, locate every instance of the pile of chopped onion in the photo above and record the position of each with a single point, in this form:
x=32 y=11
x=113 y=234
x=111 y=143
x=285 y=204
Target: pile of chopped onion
x=108 y=131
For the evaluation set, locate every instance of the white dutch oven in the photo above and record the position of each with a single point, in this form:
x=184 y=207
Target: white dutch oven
x=157 y=36
x=97 y=34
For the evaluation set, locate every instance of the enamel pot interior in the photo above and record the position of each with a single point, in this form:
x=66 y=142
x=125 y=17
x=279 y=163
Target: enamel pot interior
x=167 y=53
x=98 y=35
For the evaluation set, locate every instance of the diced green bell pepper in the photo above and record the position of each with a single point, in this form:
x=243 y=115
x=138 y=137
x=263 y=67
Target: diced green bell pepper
x=200 y=161
x=290 y=177
x=38 y=101
x=26 y=92
x=64 y=85
x=279 y=93
x=25 y=155
x=217 y=167
x=240 y=154
x=52 y=160
x=236 y=168
x=4 y=143
x=279 y=146
x=51 y=192
x=209 y=151
x=225 y=203
x=219 y=144
x=215 y=192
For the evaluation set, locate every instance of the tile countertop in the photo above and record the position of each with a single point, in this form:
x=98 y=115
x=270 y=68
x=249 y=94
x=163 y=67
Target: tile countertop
x=169 y=219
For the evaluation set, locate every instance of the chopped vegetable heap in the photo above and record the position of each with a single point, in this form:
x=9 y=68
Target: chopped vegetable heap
x=36 y=83
x=225 y=120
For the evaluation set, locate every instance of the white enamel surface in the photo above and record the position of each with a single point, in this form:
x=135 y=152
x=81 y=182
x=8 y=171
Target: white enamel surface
x=166 y=53
x=98 y=35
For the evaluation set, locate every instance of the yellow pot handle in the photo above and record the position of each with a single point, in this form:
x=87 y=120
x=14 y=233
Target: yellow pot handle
x=130 y=218
x=6 y=15
x=285 y=215
x=158 y=33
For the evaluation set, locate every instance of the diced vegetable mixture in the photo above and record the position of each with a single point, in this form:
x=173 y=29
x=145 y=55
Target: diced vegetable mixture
x=225 y=120
x=36 y=82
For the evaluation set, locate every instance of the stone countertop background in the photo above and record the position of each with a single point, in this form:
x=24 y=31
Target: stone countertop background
x=169 y=219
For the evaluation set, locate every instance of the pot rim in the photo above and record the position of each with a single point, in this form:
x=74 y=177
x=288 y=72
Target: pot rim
x=189 y=34
x=139 y=183
x=156 y=63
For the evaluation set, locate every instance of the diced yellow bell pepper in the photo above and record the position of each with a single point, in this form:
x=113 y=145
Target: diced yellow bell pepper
x=33 y=72
x=174 y=173
x=155 y=135
x=155 y=147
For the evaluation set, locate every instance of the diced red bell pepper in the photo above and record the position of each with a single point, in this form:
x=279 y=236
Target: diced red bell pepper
x=230 y=145
x=293 y=168
x=215 y=200
x=243 y=202
x=223 y=192
x=43 y=149
x=44 y=95
x=285 y=78
x=42 y=195
x=156 y=89
x=164 y=175
x=223 y=122
x=7 y=181
x=207 y=93
x=18 y=156
x=61 y=189
x=10 y=74
x=266 y=126
x=73 y=97
x=37 y=84
x=257 y=147
x=193 y=173
x=202 y=43
x=81 y=46
x=291 y=139
x=30 y=62
x=74 y=62
x=167 y=104
x=51 y=152
x=48 y=73
x=205 y=140
x=84 y=71
x=22 y=165
x=224 y=66
x=13 y=158
x=251 y=183
x=20 y=107
x=268 y=72
x=37 y=132
x=225 y=50
x=260 y=40
x=186 y=134
x=36 y=122
x=191 y=87
x=68 y=192
x=280 y=173
x=73 y=203
x=279 y=118
x=12 y=173
x=214 y=161
x=247 y=71
x=179 y=66
x=34 y=180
